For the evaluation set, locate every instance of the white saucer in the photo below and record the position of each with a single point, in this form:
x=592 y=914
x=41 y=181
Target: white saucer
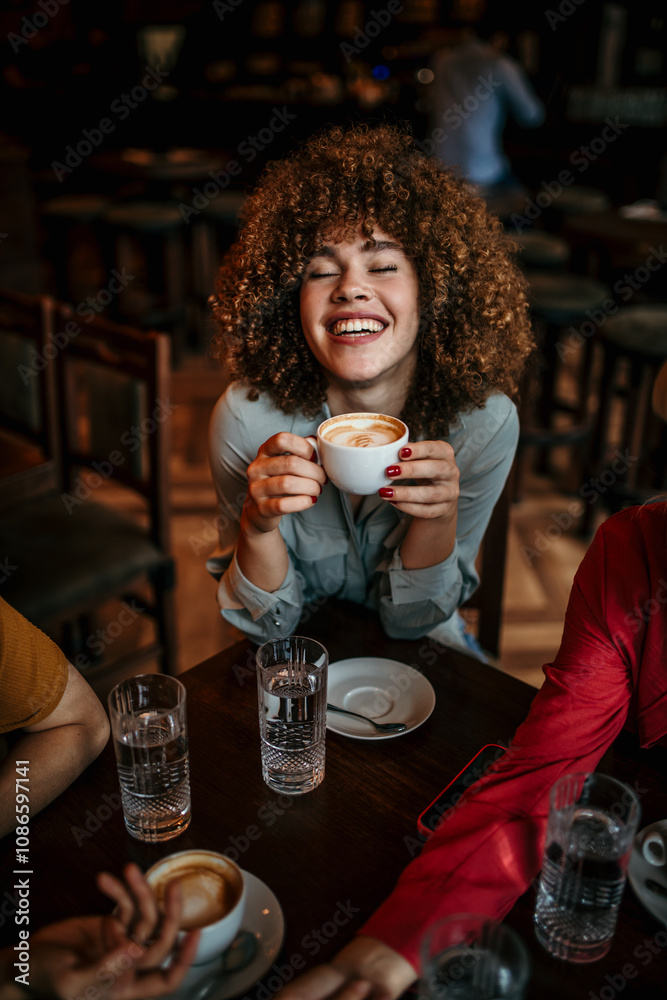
x=263 y=916
x=639 y=870
x=384 y=690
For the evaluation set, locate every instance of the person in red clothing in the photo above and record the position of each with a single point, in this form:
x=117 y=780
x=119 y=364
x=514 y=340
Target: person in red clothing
x=609 y=674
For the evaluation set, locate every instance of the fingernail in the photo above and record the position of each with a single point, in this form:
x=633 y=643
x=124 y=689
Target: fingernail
x=313 y=457
x=314 y=499
x=386 y=492
x=405 y=452
x=326 y=479
x=393 y=470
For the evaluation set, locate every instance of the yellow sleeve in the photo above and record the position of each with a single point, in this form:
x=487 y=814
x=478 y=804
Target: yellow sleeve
x=33 y=672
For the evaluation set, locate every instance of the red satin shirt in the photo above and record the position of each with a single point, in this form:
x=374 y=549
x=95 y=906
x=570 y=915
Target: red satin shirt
x=610 y=673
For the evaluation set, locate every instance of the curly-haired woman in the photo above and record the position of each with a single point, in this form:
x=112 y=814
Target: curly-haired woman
x=365 y=278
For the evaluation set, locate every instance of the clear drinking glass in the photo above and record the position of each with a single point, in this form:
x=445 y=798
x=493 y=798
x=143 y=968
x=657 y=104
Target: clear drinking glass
x=468 y=956
x=590 y=831
x=292 y=695
x=149 y=728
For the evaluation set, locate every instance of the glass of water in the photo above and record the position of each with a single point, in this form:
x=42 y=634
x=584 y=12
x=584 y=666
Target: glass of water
x=468 y=956
x=292 y=695
x=592 y=823
x=149 y=728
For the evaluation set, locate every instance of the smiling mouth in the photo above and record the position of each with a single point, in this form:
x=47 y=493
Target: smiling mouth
x=356 y=327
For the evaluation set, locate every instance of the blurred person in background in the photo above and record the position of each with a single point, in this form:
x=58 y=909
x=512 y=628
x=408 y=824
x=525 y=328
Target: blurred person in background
x=476 y=88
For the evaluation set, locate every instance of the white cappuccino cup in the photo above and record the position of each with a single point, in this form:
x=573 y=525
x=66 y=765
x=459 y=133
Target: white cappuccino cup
x=654 y=847
x=213 y=897
x=354 y=449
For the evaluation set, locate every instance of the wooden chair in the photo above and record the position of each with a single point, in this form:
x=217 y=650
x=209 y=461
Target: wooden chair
x=105 y=529
x=29 y=440
x=487 y=601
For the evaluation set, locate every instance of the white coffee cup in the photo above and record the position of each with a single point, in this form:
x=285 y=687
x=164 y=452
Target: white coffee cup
x=355 y=449
x=654 y=847
x=213 y=893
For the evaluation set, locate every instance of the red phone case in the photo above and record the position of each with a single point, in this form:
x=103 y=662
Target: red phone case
x=421 y=825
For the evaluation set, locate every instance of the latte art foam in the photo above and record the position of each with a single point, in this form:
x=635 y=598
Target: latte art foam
x=355 y=436
x=206 y=893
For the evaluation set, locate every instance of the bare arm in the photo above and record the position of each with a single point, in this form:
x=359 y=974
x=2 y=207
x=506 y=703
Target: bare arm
x=58 y=749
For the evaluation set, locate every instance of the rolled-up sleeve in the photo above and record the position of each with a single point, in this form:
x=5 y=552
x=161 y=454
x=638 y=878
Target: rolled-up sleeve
x=232 y=447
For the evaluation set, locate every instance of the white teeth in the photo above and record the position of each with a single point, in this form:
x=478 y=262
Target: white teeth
x=357 y=326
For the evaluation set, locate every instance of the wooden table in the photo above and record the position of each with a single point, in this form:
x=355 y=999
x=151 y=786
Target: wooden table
x=345 y=843
x=608 y=242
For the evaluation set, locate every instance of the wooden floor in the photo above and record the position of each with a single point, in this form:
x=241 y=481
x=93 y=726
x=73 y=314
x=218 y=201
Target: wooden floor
x=543 y=553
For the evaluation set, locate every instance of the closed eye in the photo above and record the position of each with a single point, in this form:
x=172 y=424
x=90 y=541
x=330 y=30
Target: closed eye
x=389 y=267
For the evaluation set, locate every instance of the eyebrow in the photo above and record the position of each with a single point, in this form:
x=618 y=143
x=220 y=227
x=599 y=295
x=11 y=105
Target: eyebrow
x=378 y=247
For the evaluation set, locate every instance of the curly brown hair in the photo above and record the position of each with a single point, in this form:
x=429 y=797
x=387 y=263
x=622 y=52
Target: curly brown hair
x=475 y=333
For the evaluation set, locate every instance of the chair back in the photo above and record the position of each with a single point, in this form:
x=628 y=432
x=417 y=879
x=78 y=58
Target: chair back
x=29 y=439
x=113 y=386
x=487 y=600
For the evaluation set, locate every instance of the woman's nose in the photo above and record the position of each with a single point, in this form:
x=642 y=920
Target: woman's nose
x=352 y=284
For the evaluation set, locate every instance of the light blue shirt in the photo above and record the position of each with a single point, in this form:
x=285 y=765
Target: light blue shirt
x=355 y=558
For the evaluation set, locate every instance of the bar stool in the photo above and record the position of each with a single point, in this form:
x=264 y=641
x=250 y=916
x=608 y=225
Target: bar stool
x=71 y=226
x=213 y=231
x=561 y=305
x=538 y=248
x=628 y=444
x=577 y=199
x=148 y=240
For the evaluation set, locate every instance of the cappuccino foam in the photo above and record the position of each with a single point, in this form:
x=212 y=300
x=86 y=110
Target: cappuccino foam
x=359 y=435
x=207 y=893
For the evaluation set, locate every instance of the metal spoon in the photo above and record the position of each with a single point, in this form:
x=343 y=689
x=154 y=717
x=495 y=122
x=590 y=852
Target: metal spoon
x=382 y=727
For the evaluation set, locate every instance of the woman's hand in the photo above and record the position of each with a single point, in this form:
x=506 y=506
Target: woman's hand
x=434 y=492
x=426 y=486
x=119 y=956
x=365 y=969
x=283 y=479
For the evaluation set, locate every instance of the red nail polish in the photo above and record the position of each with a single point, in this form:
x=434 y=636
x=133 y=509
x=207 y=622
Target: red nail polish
x=393 y=470
x=314 y=499
x=386 y=492
x=405 y=452
x=313 y=457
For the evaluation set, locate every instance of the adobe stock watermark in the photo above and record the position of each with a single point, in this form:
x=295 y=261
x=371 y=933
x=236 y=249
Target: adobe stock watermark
x=248 y=150
x=455 y=116
x=267 y=814
x=6 y=569
x=624 y=288
x=450 y=806
x=644 y=953
x=311 y=943
x=590 y=492
x=132 y=440
x=637 y=617
x=87 y=309
x=121 y=107
x=581 y=158
x=362 y=37
x=93 y=821
x=565 y=10
x=98 y=641
x=221 y=8
x=30 y=26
